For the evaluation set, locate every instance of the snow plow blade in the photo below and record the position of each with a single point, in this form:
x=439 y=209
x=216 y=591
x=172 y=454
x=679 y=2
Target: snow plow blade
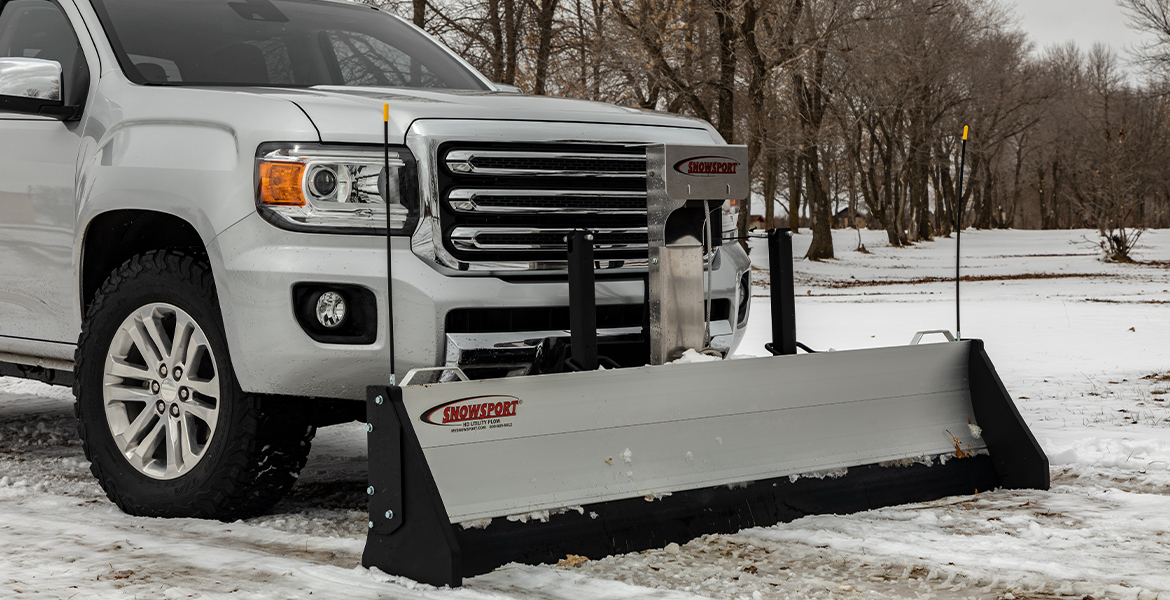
x=468 y=476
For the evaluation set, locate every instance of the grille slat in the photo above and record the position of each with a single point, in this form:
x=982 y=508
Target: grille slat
x=500 y=238
x=546 y=163
x=553 y=201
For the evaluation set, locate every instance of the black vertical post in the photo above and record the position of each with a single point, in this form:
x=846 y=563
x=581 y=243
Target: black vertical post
x=783 y=292
x=385 y=191
x=582 y=300
x=959 y=237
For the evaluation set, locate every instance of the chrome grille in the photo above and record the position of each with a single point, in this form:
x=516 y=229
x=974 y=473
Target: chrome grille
x=512 y=202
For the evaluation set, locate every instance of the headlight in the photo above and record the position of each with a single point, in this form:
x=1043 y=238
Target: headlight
x=312 y=187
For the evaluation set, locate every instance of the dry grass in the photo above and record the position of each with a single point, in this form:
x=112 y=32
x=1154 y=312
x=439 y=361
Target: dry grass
x=921 y=280
x=1107 y=301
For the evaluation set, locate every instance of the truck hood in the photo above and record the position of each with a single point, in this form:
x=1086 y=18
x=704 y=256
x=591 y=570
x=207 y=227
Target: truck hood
x=350 y=114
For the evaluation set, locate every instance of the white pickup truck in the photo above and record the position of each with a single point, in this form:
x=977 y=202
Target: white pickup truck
x=196 y=209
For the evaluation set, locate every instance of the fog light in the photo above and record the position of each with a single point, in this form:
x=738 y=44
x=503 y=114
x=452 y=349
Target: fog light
x=331 y=310
x=336 y=313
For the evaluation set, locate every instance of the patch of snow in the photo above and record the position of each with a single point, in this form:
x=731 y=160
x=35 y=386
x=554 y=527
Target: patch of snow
x=538 y=515
x=476 y=523
x=544 y=515
x=824 y=474
x=690 y=355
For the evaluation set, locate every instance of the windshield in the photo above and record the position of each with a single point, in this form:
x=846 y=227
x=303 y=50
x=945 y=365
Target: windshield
x=288 y=43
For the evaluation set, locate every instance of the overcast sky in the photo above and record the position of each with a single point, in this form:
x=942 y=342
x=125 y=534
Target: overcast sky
x=1086 y=22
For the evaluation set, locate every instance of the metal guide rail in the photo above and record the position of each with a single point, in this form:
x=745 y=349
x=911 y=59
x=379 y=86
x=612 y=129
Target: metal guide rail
x=469 y=475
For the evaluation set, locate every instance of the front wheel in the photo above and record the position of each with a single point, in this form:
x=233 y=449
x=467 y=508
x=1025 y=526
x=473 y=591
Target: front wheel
x=164 y=424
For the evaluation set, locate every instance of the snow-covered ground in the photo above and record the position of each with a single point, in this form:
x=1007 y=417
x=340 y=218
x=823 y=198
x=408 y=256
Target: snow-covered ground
x=1080 y=343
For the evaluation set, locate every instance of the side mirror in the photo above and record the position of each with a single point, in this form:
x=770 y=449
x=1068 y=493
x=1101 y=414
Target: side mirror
x=32 y=86
x=507 y=89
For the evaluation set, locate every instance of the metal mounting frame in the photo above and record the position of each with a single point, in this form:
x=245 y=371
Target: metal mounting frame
x=676 y=201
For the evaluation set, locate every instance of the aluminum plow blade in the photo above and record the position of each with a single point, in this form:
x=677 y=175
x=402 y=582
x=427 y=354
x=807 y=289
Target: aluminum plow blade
x=468 y=476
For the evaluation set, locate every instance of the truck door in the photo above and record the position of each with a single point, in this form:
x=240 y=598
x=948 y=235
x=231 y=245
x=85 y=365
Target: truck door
x=38 y=157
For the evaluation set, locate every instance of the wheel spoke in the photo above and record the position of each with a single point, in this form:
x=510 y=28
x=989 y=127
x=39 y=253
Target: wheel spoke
x=174 y=447
x=145 y=347
x=141 y=454
x=162 y=341
x=120 y=368
x=186 y=340
x=198 y=410
x=187 y=434
x=124 y=393
x=132 y=435
x=209 y=388
x=196 y=353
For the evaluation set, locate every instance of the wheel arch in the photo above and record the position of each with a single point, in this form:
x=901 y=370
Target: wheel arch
x=113 y=237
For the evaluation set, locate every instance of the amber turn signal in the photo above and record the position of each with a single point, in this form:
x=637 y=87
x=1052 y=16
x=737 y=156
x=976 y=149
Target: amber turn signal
x=280 y=183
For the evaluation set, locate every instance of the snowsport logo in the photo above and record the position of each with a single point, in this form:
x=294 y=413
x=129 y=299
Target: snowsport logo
x=707 y=166
x=476 y=412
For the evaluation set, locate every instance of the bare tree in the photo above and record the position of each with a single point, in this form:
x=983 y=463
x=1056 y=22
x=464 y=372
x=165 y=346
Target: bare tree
x=859 y=103
x=1122 y=156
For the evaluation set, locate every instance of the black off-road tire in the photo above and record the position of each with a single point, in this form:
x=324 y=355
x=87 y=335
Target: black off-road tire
x=259 y=445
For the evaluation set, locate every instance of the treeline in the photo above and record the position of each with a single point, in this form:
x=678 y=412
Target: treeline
x=857 y=106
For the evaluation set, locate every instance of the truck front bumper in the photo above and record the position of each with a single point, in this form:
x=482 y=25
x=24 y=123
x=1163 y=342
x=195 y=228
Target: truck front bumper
x=256 y=266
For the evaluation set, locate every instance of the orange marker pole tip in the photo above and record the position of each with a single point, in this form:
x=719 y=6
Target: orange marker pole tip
x=964 y=131
x=386 y=114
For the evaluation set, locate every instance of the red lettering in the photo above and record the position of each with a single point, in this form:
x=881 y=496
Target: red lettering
x=471 y=412
x=711 y=167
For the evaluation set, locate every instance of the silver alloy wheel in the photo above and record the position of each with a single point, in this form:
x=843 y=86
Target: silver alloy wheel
x=161 y=391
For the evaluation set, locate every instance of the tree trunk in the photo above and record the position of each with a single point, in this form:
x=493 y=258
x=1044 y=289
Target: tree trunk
x=795 y=189
x=818 y=204
x=420 y=13
x=946 y=197
x=770 y=188
x=743 y=220
x=727 y=63
x=598 y=36
x=811 y=105
x=544 y=25
x=511 y=25
x=495 y=24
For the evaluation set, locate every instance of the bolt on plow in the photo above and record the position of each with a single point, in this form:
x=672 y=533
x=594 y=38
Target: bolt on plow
x=467 y=475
